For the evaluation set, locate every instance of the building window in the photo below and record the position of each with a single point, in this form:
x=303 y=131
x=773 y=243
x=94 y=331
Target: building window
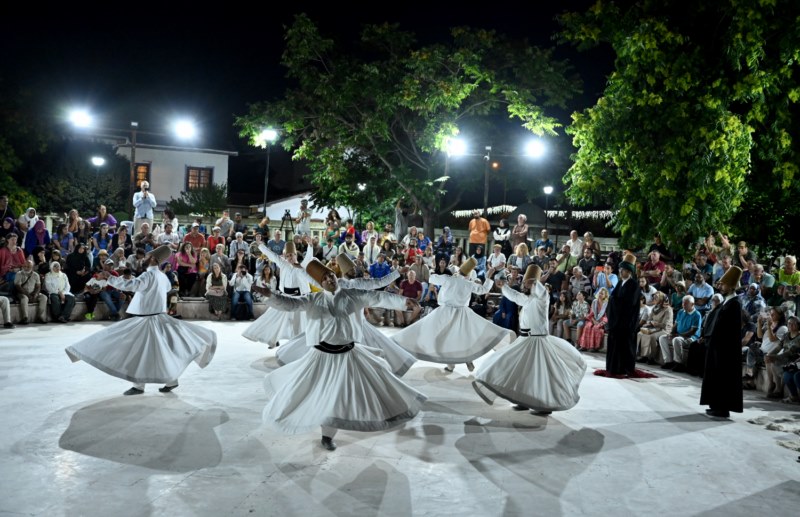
x=199 y=177
x=142 y=172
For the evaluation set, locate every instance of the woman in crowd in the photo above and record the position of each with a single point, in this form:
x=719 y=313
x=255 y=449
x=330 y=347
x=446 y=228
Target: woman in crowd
x=169 y=217
x=502 y=236
x=771 y=330
x=217 y=291
x=103 y=217
x=203 y=268
x=101 y=240
x=428 y=257
x=578 y=312
x=521 y=257
x=119 y=259
x=266 y=279
x=79 y=268
x=388 y=249
x=786 y=360
x=369 y=232
x=64 y=241
x=593 y=245
x=121 y=239
x=73 y=220
x=658 y=324
x=648 y=290
x=10 y=226
x=84 y=235
x=480 y=260
x=187 y=268
x=595 y=327
x=333 y=220
x=559 y=313
x=37 y=237
x=61 y=299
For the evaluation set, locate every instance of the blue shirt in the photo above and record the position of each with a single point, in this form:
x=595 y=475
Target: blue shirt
x=601 y=282
x=379 y=270
x=704 y=291
x=687 y=320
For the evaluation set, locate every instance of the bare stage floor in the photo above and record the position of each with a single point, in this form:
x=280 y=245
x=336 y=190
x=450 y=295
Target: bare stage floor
x=73 y=445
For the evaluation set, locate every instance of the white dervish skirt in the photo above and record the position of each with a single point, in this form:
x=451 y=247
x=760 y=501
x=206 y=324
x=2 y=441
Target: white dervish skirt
x=399 y=360
x=353 y=390
x=275 y=325
x=145 y=349
x=451 y=335
x=539 y=372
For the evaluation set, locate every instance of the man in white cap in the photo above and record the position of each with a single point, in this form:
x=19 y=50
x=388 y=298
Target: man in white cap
x=317 y=389
x=150 y=346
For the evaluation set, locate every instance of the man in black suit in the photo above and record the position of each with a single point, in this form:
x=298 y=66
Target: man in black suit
x=623 y=319
x=722 y=379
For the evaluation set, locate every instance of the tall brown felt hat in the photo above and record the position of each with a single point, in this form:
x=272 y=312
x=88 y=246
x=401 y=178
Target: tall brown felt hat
x=533 y=272
x=731 y=277
x=468 y=266
x=346 y=264
x=317 y=270
x=161 y=254
x=289 y=248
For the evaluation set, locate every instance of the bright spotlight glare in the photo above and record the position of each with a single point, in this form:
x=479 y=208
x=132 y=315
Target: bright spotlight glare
x=98 y=161
x=548 y=190
x=456 y=147
x=80 y=118
x=362 y=186
x=535 y=148
x=185 y=129
x=268 y=136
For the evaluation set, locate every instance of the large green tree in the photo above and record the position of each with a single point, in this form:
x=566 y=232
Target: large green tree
x=380 y=112
x=696 y=129
x=207 y=201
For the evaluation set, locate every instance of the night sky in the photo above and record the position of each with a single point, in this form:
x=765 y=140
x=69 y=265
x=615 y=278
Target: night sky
x=150 y=65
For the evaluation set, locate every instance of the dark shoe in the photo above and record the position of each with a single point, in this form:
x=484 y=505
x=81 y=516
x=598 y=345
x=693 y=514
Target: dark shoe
x=134 y=391
x=62 y=319
x=519 y=407
x=328 y=443
x=679 y=368
x=641 y=359
x=717 y=413
x=470 y=366
x=669 y=365
x=775 y=395
x=8 y=325
x=23 y=321
x=651 y=362
x=540 y=413
x=449 y=368
x=167 y=389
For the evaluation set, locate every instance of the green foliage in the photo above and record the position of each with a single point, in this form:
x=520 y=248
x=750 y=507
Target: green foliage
x=381 y=115
x=207 y=201
x=64 y=178
x=696 y=121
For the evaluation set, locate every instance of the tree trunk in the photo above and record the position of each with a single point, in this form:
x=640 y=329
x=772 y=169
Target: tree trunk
x=428 y=220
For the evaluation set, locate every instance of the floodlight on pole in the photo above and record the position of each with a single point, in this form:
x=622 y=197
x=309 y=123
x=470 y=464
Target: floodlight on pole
x=80 y=118
x=547 y=191
x=185 y=129
x=265 y=139
x=535 y=148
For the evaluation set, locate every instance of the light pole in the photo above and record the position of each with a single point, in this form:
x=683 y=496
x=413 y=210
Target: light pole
x=266 y=138
x=132 y=183
x=97 y=161
x=486 y=159
x=547 y=191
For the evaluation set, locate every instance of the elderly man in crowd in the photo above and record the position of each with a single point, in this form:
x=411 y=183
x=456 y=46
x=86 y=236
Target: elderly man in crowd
x=686 y=329
x=28 y=285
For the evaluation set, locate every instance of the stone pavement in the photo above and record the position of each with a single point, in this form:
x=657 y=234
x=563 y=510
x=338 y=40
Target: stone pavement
x=71 y=444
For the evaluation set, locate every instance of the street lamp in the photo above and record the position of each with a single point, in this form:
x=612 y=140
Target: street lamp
x=97 y=161
x=265 y=139
x=547 y=191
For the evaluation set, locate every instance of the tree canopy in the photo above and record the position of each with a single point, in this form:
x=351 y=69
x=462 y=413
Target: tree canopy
x=207 y=201
x=695 y=129
x=380 y=112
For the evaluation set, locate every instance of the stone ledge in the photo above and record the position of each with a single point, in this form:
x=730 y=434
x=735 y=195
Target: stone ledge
x=192 y=309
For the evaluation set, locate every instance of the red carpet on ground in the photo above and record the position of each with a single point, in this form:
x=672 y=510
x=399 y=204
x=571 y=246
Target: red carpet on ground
x=637 y=374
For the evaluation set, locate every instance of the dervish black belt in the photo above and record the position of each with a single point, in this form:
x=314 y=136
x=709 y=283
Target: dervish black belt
x=527 y=333
x=291 y=291
x=334 y=349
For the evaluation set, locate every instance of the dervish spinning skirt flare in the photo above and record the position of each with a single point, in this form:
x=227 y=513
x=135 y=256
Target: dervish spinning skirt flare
x=452 y=333
x=537 y=371
x=352 y=390
x=150 y=346
x=147 y=349
x=399 y=360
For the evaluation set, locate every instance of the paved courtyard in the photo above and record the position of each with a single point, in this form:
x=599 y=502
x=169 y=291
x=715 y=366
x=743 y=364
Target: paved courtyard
x=72 y=445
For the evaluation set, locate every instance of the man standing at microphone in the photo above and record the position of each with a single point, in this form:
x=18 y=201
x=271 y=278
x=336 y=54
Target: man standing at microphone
x=143 y=204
